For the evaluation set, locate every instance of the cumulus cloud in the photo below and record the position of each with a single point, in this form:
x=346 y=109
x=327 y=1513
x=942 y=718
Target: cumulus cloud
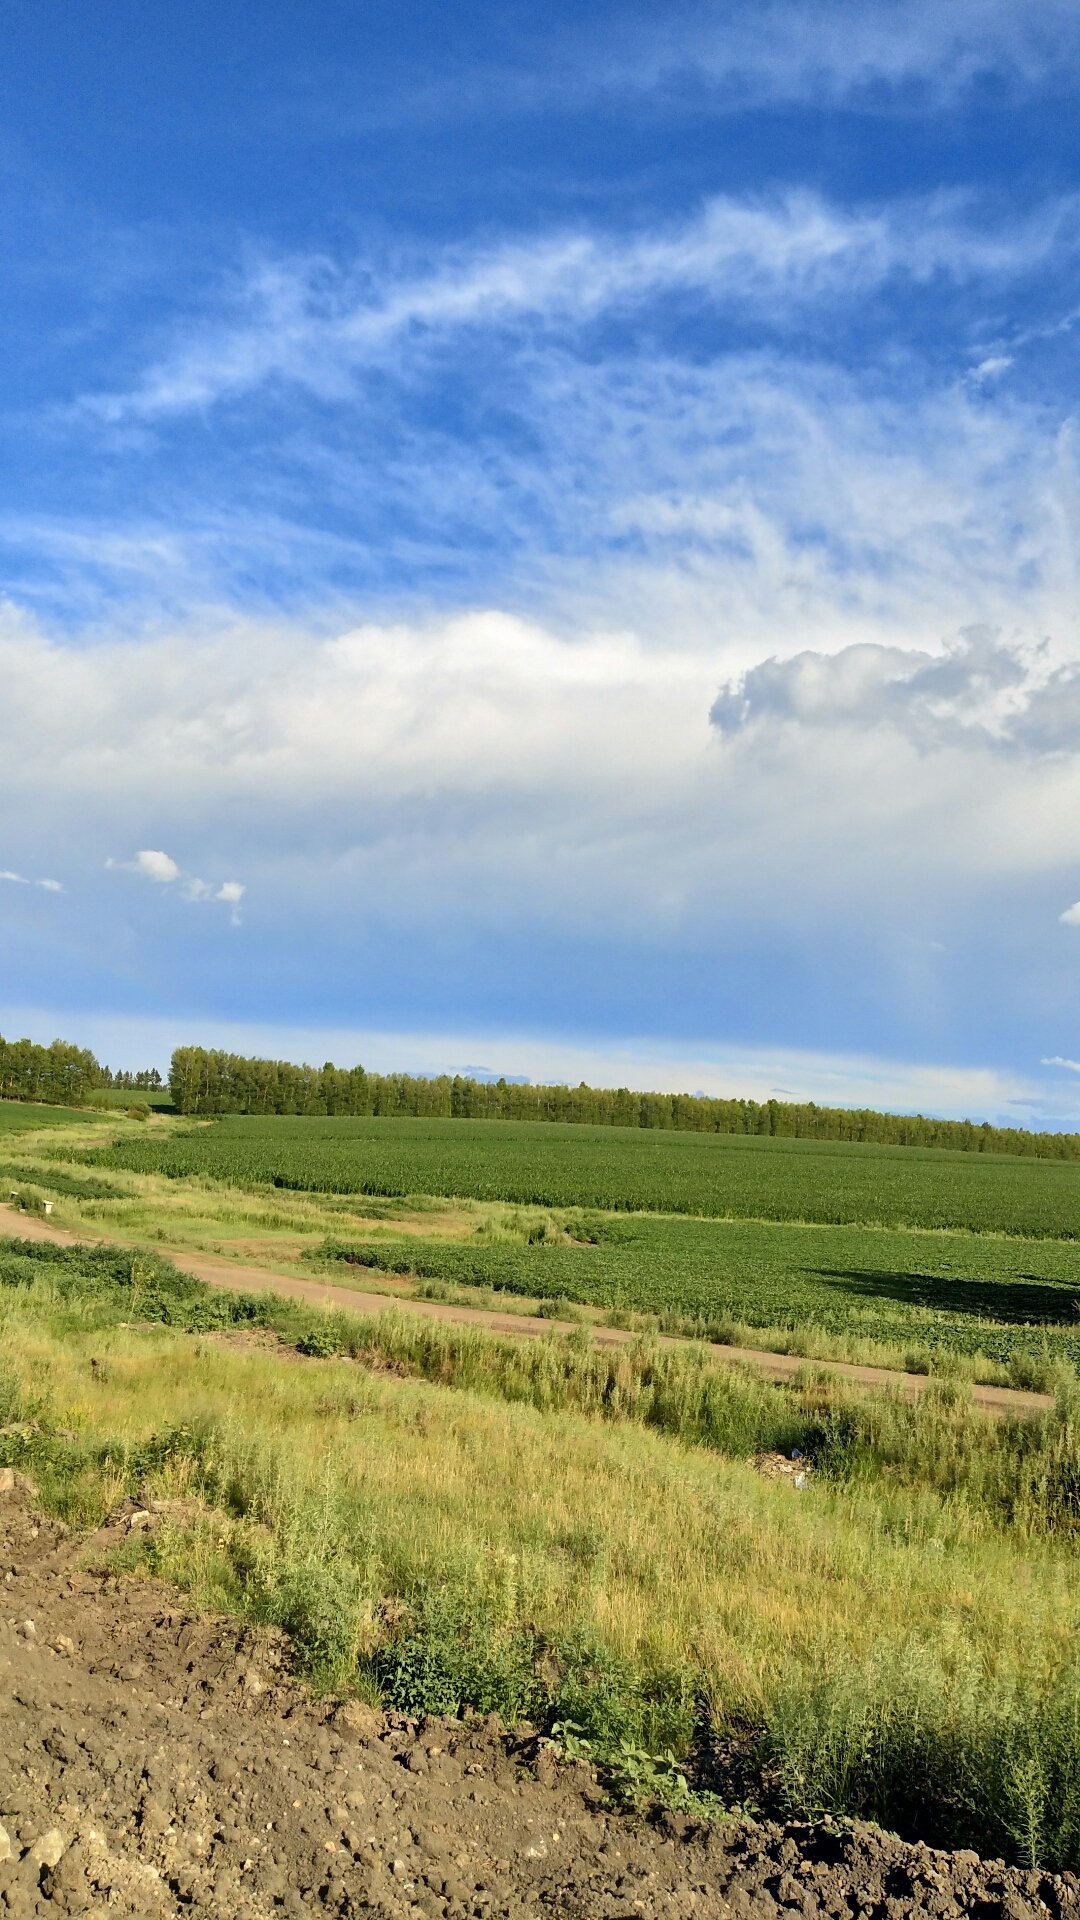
x=18 y=878
x=153 y=865
x=1057 y=1060
x=160 y=867
x=1071 y=915
x=569 y=780
x=981 y=685
x=230 y=893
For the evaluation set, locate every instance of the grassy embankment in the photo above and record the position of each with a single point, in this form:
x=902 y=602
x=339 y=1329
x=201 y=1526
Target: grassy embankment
x=579 y=1537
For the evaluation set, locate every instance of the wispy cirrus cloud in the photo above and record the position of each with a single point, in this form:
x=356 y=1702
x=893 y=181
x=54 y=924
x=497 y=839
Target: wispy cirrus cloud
x=20 y=880
x=832 y=51
x=312 y=323
x=730 y=56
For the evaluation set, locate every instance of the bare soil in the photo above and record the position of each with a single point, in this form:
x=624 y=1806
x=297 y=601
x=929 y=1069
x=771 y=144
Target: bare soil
x=249 y=1279
x=154 y=1764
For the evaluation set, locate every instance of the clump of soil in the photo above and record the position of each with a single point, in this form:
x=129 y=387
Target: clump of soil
x=154 y=1764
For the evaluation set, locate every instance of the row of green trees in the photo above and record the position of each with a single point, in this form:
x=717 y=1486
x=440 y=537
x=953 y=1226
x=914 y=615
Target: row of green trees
x=205 y=1081
x=146 y=1080
x=59 y=1074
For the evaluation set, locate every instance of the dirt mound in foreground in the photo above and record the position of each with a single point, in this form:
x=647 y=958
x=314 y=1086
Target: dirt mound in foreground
x=153 y=1764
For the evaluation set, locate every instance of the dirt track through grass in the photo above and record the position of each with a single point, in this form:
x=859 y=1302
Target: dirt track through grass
x=774 y=1366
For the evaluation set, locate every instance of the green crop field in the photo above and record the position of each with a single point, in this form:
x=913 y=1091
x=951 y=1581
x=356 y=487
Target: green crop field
x=18 y=1174
x=631 y=1170
x=19 y=1116
x=924 y=1293
x=935 y=1256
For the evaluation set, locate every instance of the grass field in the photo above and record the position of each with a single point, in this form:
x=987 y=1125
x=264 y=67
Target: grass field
x=17 y=1116
x=627 y=1170
x=583 y=1538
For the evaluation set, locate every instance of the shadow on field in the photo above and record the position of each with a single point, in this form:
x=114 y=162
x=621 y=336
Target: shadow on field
x=1021 y=1303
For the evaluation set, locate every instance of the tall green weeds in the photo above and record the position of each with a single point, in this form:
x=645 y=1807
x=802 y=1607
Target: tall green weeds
x=577 y=1536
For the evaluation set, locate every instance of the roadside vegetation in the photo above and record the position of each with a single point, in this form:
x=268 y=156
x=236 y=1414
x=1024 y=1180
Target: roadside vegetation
x=446 y=1520
x=1004 y=1311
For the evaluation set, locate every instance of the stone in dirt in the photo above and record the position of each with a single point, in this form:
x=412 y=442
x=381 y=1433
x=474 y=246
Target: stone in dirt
x=354 y=1717
x=48 y=1849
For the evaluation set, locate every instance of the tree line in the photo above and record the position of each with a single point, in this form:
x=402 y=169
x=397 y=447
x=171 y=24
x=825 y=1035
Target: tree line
x=207 y=1081
x=59 y=1074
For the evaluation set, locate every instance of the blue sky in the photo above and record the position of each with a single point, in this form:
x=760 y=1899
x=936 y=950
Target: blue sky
x=547 y=536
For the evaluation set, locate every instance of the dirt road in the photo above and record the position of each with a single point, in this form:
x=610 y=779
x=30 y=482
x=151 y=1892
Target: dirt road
x=246 y=1279
x=154 y=1764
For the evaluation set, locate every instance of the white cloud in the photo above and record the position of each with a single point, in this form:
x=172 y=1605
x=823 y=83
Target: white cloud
x=831 y=50
x=160 y=867
x=736 y=55
x=230 y=892
x=1056 y=1060
x=979 y=684
x=20 y=880
x=569 y=782
x=152 y=865
x=991 y=368
x=307 y=322
x=776 y=502
x=1071 y=916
